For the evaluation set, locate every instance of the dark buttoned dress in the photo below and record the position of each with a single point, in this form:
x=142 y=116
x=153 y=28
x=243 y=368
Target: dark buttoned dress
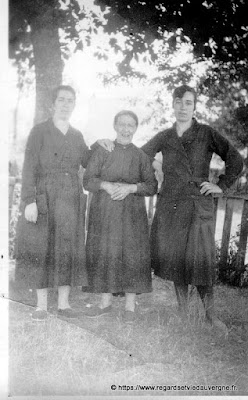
x=182 y=233
x=54 y=247
x=117 y=247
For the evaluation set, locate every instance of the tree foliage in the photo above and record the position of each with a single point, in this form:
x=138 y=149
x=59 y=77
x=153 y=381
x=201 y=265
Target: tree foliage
x=42 y=33
x=216 y=28
x=234 y=124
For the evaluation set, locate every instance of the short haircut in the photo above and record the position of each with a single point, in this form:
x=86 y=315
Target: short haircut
x=181 y=90
x=56 y=91
x=126 y=112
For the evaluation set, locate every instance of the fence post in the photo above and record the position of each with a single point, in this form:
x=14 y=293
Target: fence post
x=226 y=235
x=150 y=210
x=216 y=203
x=243 y=237
x=89 y=198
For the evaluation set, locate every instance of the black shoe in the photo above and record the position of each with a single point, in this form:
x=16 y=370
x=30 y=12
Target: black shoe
x=39 y=315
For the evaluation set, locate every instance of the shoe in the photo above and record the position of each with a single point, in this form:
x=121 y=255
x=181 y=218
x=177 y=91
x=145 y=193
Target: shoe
x=129 y=317
x=95 y=312
x=69 y=313
x=220 y=327
x=119 y=294
x=39 y=315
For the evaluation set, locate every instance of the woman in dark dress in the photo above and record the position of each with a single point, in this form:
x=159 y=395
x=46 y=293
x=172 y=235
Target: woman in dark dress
x=117 y=247
x=52 y=203
x=182 y=234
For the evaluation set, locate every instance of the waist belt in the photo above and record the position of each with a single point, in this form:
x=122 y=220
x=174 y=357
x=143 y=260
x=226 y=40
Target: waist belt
x=58 y=172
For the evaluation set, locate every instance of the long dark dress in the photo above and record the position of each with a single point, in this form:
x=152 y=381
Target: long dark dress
x=117 y=247
x=55 y=248
x=182 y=234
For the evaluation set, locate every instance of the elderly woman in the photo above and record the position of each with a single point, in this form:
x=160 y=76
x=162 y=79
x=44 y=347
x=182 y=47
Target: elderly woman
x=117 y=247
x=51 y=235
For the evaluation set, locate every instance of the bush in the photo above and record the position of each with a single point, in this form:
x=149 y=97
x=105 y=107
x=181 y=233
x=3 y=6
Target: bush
x=14 y=218
x=233 y=274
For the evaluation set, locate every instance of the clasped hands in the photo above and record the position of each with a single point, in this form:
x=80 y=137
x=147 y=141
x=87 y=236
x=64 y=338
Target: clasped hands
x=118 y=191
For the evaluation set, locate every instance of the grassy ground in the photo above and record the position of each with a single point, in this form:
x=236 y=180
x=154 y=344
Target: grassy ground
x=87 y=356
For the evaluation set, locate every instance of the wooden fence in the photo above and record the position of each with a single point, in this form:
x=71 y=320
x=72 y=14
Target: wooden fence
x=228 y=203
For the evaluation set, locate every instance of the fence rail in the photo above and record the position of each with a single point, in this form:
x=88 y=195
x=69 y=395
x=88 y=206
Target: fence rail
x=241 y=203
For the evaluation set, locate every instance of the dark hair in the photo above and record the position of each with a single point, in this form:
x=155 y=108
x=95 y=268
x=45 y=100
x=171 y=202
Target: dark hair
x=56 y=91
x=126 y=112
x=181 y=90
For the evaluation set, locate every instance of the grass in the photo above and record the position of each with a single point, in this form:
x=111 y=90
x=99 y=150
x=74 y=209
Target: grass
x=87 y=356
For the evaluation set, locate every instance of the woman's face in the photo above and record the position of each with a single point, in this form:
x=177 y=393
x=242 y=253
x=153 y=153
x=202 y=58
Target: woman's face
x=64 y=105
x=125 y=128
x=184 y=107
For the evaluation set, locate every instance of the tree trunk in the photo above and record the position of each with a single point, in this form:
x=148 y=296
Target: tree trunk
x=48 y=61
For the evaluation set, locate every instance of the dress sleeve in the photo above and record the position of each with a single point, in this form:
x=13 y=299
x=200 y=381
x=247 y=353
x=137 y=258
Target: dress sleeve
x=153 y=146
x=148 y=185
x=91 y=179
x=86 y=153
x=30 y=169
x=231 y=157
